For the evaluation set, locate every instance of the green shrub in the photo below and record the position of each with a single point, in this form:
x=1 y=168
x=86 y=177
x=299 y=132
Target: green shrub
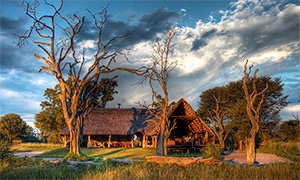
x=76 y=157
x=54 y=139
x=5 y=150
x=211 y=151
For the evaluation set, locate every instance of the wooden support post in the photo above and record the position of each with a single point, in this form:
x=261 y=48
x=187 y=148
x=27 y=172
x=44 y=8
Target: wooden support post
x=89 y=142
x=155 y=142
x=146 y=142
x=65 y=140
x=144 y=139
x=132 y=141
x=109 y=140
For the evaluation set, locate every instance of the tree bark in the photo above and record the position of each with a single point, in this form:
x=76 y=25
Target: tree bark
x=161 y=142
x=241 y=146
x=222 y=143
x=253 y=112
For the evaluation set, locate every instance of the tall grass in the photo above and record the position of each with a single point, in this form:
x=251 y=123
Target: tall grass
x=287 y=150
x=144 y=170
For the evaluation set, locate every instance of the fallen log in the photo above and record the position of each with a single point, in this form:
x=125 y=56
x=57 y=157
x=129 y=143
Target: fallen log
x=181 y=161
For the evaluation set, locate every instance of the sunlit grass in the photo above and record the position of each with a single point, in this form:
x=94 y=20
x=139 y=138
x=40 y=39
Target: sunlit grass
x=289 y=150
x=100 y=153
x=36 y=169
x=144 y=170
x=36 y=147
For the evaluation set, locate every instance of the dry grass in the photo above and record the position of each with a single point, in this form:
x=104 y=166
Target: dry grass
x=36 y=147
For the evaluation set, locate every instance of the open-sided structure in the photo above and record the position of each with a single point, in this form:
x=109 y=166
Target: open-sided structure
x=117 y=127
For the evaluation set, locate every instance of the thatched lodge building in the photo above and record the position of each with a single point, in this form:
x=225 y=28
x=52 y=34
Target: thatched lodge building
x=121 y=127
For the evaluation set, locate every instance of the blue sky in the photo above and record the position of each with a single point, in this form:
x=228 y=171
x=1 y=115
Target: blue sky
x=214 y=40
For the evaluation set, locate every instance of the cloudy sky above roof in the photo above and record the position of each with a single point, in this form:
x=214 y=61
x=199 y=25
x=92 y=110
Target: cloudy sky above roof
x=214 y=40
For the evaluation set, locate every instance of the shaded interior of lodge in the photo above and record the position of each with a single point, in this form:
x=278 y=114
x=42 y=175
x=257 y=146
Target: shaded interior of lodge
x=131 y=127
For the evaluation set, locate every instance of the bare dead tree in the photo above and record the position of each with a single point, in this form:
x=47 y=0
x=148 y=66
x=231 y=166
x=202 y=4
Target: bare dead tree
x=217 y=120
x=253 y=111
x=296 y=116
x=157 y=76
x=63 y=62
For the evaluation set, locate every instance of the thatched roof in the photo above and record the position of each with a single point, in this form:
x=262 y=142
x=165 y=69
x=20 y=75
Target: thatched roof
x=121 y=121
x=183 y=110
x=104 y=121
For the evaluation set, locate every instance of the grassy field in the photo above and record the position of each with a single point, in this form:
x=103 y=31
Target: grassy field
x=35 y=147
x=30 y=168
x=144 y=170
x=109 y=153
x=289 y=150
x=99 y=153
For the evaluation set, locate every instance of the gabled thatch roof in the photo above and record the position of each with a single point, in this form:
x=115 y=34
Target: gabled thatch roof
x=121 y=121
x=182 y=109
x=102 y=121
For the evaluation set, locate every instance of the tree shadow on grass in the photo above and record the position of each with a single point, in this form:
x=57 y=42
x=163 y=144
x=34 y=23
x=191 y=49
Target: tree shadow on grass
x=106 y=154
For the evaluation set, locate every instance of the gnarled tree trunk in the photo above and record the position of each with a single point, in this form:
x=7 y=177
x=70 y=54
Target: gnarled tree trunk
x=63 y=61
x=253 y=112
x=162 y=142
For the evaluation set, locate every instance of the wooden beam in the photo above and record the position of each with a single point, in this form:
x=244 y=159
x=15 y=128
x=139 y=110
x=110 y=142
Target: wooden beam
x=109 y=140
x=153 y=142
x=144 y=139
x=146 y=142
x=65 y=140
x=132 y=141
x=89 y=144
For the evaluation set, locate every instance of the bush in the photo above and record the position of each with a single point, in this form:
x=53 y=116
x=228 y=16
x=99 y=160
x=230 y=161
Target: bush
x=54 y=139
x=75 y=157
x=211 y=151
x=5 y=150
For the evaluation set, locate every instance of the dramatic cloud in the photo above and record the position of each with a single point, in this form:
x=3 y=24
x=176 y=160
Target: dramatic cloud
x=146 y=28
x=209 y=54
x=213 y=53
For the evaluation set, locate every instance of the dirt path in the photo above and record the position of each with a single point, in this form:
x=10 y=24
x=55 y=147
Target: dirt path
x=28 y=153
x=236 y=157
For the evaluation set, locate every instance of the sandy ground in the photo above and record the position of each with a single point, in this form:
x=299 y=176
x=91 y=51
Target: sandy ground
x=238 y=157
x=231 y=157
x=28 y=154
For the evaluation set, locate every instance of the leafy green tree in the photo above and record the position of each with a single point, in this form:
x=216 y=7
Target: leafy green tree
x=290 y=130
x=11 y=125
x=51 y=119
x=235 y=106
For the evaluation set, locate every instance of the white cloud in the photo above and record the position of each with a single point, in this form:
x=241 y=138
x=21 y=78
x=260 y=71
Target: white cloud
x=254 y=30
x=12 y=72
x=87 y=44
x=292 y=108
x=182 y=10
x=18 y=101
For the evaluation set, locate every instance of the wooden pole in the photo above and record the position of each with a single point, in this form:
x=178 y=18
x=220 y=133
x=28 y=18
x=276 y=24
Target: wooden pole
x=153 y=141
x=132 y=141
x=109 y=140
x=146 y=142
x=89 y=141
x=65 y=140
x=144 y=139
